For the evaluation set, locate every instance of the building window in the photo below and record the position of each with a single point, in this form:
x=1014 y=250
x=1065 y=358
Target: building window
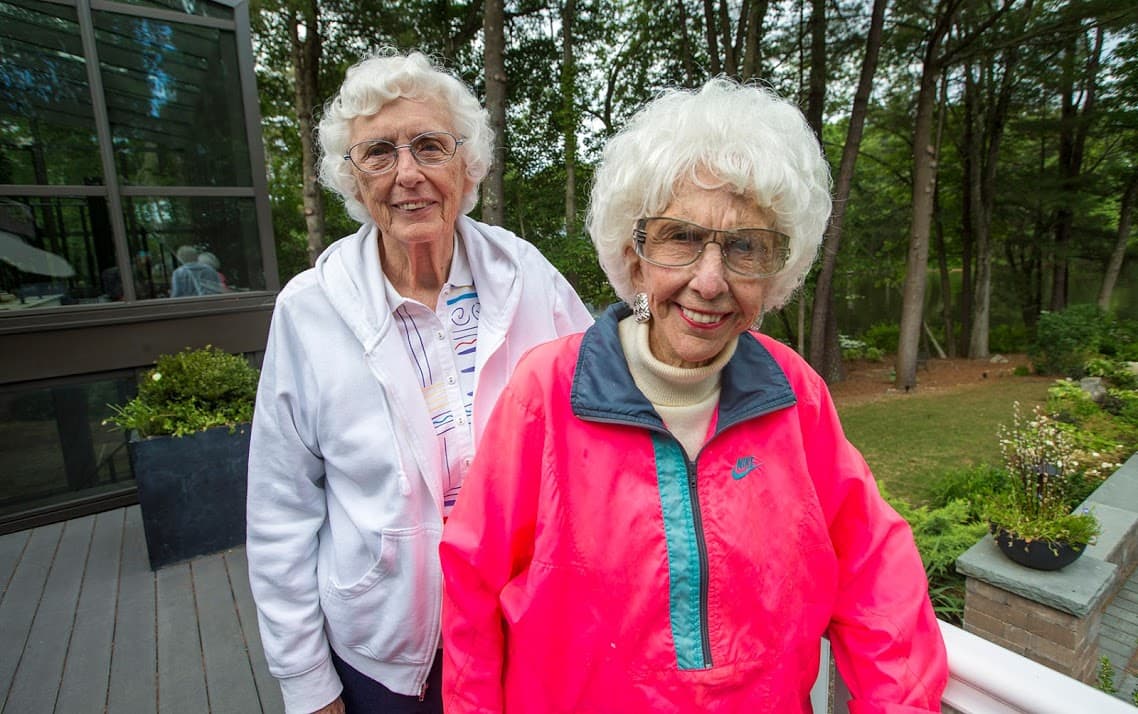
x=56 y=251
x=173 y=97
x=167 y=233
x=129 y=167
x=47 y=122
x=134 y=222
x=55 y=445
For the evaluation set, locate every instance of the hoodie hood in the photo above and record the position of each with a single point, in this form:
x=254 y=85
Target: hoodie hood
x=349 y=273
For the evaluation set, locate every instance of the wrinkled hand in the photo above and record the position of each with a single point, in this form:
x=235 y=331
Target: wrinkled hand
x=335 y=707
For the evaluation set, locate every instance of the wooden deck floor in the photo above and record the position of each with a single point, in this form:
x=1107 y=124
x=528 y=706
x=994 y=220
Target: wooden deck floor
x=86 y=626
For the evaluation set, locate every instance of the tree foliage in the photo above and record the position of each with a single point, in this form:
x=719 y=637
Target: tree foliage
x=1029 y=107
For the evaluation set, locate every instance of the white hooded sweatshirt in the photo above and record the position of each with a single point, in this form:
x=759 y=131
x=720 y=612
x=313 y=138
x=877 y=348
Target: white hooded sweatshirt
x=345 y=496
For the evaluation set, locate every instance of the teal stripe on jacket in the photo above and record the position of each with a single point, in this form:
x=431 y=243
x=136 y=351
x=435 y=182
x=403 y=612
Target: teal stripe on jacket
x=683 y=551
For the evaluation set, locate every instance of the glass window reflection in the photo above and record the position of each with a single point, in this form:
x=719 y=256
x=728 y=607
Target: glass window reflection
x=174 y=101
x=201 y=8
x=47 y=127
x=186 y=247
x=56 y=251
x=55 y=445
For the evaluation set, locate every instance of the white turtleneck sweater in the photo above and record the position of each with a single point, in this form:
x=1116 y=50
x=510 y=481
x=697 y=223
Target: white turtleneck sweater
x=685 y=398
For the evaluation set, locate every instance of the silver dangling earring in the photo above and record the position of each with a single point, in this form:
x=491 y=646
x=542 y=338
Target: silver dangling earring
x=640 y=311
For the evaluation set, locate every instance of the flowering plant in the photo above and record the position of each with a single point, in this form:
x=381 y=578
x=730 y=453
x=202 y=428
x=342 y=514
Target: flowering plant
x=1045 y=475
x=190 y=391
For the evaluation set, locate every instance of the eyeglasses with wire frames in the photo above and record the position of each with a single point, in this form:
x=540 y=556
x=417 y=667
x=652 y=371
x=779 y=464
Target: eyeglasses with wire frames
x=377 y=156
x=675 y=243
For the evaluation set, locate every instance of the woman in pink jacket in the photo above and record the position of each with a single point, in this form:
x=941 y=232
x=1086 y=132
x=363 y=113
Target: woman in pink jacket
x=665 y=515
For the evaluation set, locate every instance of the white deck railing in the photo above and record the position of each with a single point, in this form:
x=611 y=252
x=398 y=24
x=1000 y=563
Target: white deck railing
x=985 y=678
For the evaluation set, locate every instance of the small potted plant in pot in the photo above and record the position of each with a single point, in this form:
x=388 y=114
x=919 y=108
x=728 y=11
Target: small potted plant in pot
x=189 y=448
x=1031 y=519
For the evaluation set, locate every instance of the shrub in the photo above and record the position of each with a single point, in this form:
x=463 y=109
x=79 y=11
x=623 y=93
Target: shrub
x=1065 y=341
x=1120 y=340
x=1123 y=403
x=884 y=336
x=976 y=485
x=1110 y=429
x=1008 y=339
x=856 y=349
x=1113 y=372
x=942 y=535
x=1069 y=402
x=190 y=391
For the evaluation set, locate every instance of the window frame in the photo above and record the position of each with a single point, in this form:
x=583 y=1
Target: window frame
x=113 y=192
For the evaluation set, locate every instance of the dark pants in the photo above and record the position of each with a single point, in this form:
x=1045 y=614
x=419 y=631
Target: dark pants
x=364 y=695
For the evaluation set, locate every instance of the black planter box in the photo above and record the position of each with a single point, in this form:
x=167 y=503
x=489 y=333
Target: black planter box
x=192 y=492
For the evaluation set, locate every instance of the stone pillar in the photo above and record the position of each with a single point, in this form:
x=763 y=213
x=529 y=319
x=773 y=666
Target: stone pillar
x=1056 y=639
x=1054 y=617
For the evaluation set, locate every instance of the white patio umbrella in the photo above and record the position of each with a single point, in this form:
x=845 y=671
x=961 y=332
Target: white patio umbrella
x=29 y=259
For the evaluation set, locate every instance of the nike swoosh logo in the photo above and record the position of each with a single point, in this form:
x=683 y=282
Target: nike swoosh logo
x=738 y=474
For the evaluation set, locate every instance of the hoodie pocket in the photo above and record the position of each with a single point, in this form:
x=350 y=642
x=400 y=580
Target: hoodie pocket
x=391 y=614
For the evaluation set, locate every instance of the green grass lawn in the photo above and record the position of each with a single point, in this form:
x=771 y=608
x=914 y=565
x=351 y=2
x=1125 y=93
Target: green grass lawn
x=912 y=441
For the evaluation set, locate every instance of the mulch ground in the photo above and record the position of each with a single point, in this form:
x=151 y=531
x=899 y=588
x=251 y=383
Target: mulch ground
x=873 y=381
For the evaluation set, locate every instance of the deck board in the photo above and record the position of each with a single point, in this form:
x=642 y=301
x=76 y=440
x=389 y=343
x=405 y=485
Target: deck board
x=227 y=667
x=133 y=687
x=21 y=600
x=88 y=665
x=11 y=549
x=180 y=672
x=268 y=689
x=88 y=628
x=41 y=667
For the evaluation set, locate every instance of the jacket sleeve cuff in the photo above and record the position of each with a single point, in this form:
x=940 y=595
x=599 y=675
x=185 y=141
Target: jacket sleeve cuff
x=307 y=692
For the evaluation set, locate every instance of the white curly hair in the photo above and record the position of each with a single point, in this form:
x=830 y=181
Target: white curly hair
x=385 y=77
x=751 y=141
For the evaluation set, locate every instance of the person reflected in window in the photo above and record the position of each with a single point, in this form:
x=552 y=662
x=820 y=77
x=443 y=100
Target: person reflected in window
x=664 y=514
x=207 y=258
x=382 y=366
x=192 y=277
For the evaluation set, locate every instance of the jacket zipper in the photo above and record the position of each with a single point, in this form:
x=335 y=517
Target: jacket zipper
x=697 y=526
x=701 y=548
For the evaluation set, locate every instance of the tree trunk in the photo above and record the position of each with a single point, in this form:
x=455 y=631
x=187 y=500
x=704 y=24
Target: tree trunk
x=997 y=116
x=916 y=263
x=494 y=62
x=1114 y=265
x=825 y=352
x=569 y=115
x=730 y=68
x=945 y=275
x=685 y=46
x=1072 y=143
x=752 y=51
x=305 y=55
x=941 y=249
x=816 y=96
x=924 y=178
x=712 y=39
x=970 y=170
x=981 y=291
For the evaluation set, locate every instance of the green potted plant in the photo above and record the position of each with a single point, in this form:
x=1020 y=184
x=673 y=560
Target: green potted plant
x=1032 y=519
x=189 y=447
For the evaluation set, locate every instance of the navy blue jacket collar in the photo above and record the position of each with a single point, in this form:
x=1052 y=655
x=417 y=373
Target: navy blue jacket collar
x=603 y=390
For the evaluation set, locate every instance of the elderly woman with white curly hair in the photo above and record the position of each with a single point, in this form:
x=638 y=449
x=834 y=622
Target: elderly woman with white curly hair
x=382 y=365
x=665 y=515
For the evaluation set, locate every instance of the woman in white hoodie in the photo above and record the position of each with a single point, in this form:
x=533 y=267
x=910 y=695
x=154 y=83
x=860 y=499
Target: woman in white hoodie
x=382 y=365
